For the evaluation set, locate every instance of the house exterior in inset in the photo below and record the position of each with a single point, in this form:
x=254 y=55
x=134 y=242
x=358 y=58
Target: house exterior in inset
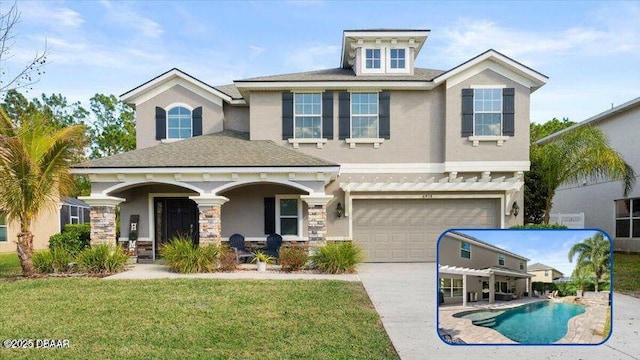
x=47 y=223
x=544 y=273
x=601 y=200
x=376 y=151
x=469 y=265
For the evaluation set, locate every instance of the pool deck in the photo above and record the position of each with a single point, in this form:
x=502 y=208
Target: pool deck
x=583 y=329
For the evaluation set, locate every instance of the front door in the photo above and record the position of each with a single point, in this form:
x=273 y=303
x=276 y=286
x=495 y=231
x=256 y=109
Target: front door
x=175 y=217
x=485 y=289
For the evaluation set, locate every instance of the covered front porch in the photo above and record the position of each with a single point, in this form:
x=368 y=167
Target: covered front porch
x=459 y=284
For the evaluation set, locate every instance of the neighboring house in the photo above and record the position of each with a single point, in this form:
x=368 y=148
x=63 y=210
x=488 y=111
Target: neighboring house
x=376 y=151
x=49 y=222
x=601 y=200
x=469 y=265
x=544 y=273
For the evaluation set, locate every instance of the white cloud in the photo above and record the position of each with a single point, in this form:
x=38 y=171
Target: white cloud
x=124 y=15
x=314 y=57
x=44 y=13
x=256 y=50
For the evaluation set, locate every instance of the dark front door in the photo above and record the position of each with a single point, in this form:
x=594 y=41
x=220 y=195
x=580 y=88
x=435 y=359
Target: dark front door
x=175 y=217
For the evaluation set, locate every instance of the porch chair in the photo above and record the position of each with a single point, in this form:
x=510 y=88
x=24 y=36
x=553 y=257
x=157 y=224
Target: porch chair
x=274 y=241
x=236 y=242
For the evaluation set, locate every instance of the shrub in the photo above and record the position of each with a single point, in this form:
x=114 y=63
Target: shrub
x=227 y=259
x=338 y=258
x=540 y=226
x=60 y=259
x=184 y=257
x=43 y=262
x=102 y=259
x=293 y=258
x=74 y=238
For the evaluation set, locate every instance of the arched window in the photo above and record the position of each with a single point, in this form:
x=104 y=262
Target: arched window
x=179 y=123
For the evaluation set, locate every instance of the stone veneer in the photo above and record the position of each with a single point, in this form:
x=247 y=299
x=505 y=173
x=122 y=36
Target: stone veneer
x=317 y=222
x=210 y=226
x=103 y=224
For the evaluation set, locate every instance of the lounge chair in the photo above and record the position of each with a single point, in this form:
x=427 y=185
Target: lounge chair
x=236 y=242
x=274 y=241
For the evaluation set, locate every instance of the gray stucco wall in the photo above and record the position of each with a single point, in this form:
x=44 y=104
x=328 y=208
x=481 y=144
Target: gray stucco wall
x=449 y=254
x=596 y=198
x=459 y=148
x=417 y=129
x=236 y=117
x=212 y=114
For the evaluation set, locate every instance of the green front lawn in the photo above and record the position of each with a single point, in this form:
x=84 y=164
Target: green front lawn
x=9 y=265
x=626 y=274
x=193 y=319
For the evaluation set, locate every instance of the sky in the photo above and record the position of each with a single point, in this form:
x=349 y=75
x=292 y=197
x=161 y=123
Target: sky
x=549 y=247
x=590 y=50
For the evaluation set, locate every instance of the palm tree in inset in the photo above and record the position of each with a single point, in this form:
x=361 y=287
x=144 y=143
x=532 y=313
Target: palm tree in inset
x=593 y=256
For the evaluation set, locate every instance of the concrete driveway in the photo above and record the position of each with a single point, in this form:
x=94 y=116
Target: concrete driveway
x=404 y=295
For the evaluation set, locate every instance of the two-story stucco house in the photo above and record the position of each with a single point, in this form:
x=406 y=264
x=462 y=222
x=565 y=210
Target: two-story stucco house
x=602 y=200
x=377 y=151
x=469 y=265
x=543 y=273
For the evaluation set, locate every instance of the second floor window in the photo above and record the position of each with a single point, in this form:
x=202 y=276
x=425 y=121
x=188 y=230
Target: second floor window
x=465 y=250
x=521 y=265
x=372 y=59
x=364 y=115
x=546 y=273
x=487 y=112
x=307 y=116
x=397 y=58
x=179 y=123
x=628 y=218
x=501 y=260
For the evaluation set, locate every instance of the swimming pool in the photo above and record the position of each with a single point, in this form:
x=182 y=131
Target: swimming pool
x=536 y=323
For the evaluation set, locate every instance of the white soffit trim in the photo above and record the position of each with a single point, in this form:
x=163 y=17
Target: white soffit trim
x=454 y=270
x=392 y=168
x=286 y=85
x=433 y=186
x=207 y=170
x=482 y=166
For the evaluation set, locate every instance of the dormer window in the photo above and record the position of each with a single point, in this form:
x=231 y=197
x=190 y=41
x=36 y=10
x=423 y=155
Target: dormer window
x=397 y=59
x=179 y=123
x=373 y=59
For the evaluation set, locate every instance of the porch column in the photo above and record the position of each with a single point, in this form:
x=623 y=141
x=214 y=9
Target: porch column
x=464 y=289
x=102 y=215
x=528 y=287
x=317 y=216
x=492 y=288
x=209 y=222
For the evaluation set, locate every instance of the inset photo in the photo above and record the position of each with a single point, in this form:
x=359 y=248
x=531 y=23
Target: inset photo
x=527 y=287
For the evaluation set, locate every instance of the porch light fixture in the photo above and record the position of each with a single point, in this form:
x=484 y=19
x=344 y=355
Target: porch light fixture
x=515 y=208
x=339 y=210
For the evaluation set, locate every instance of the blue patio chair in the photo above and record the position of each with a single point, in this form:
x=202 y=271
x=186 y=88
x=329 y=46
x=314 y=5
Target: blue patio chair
x=274 y=241
x=236 y=242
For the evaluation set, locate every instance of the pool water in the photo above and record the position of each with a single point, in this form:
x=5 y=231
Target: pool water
x=537 y=323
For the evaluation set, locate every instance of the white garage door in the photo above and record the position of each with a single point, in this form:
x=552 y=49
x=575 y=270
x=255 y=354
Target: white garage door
x=408 y=230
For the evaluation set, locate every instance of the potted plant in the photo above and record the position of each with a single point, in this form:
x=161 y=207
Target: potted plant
x=262 y=259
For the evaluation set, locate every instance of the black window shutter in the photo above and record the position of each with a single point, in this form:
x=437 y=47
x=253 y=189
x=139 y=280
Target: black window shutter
x=327 y=115
x=508 y=112
x=344 y=115
x=161 y=123
x=287 y=115
x=467 y=112
x=197 y=121
x=269 y=215
x=384 y=115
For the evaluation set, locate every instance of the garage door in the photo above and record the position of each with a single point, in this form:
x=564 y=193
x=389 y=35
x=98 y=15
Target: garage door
x=407 y=230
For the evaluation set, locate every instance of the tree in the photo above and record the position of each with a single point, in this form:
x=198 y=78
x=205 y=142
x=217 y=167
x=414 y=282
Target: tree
x=34 y=172
x=25 y=76
x=535 y=193
x=593 y=255
x=113 y=129
x=575 y=155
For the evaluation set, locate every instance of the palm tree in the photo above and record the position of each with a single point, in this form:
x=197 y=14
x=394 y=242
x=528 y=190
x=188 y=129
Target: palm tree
x=575 y=155
x=34 y=171
x=593 y=256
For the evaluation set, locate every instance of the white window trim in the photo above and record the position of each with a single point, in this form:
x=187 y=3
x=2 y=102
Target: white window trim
x=405 y=69
x=71 y=217
x=353 y=141
x=171 y=106
x=383 y=60
x=297 y=141
x=460 y=253
x=300 y=219
x=503 y=258
x=630 y=218
x=448 y=291
x=477 y=139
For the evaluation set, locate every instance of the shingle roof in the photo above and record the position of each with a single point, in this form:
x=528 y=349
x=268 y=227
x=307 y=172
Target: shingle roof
x=340 y=74
x=223 y=149
x=540 y=266
x=73 y=201
x=230 y=89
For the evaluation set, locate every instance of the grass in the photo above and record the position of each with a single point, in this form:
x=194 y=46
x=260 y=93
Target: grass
x=626 y=274
x=607 y=324
x=193 y=319
x=9 y=265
